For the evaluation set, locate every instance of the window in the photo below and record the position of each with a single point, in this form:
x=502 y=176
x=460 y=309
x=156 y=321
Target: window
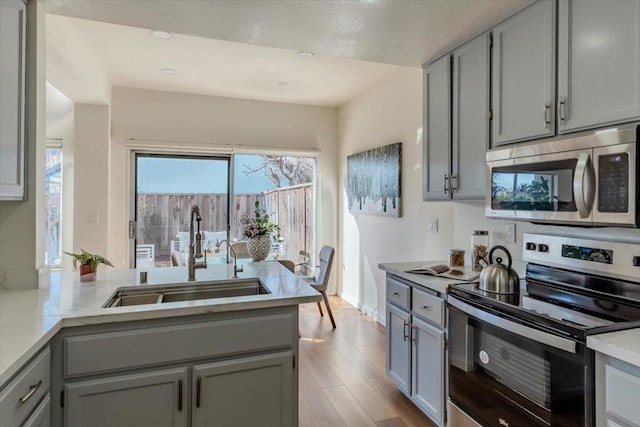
x=53 y=200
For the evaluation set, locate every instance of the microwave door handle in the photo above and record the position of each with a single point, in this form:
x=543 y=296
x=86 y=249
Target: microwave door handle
x=584 y=185
x=516 y=328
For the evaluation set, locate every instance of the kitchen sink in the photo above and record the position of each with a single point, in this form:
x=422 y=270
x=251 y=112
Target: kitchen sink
x=158 y=294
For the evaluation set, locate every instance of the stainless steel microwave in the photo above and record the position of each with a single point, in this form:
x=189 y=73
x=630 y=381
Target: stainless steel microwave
x=587 y=179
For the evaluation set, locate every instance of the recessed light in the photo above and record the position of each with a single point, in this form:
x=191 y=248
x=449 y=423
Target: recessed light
x=282 y=84
x=161 y=34
x=305 y=54
x=168 y=71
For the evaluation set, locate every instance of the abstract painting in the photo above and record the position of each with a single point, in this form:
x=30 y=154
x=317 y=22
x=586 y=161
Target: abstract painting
x=373 y=181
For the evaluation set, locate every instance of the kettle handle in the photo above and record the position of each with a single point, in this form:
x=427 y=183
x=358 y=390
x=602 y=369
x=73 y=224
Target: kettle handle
x=505 y=250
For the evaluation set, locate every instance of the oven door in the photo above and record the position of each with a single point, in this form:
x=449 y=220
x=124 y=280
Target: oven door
x=505 y=373
x=556 y=188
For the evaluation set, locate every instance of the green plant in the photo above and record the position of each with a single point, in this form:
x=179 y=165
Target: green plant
x=259 y=224
x=87 y=258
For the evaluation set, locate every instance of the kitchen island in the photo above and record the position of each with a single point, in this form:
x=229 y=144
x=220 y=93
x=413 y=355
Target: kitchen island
x=182 y=346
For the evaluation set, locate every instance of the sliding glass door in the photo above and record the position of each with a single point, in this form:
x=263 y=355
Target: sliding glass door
x=166 y=187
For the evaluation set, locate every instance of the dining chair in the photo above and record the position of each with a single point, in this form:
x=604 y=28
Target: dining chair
x=321 y=281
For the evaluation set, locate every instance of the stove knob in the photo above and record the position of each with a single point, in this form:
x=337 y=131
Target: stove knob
x=543 y=248
x=530 y=246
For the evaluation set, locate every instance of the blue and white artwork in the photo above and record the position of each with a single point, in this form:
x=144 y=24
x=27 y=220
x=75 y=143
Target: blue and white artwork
x=373 y=181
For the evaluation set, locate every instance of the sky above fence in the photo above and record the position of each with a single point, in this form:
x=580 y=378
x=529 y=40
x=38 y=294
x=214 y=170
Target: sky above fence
x=163 y=175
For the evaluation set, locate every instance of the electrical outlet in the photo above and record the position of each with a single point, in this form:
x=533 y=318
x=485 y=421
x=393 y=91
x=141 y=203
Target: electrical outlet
x=510 y=232
x=433 y=226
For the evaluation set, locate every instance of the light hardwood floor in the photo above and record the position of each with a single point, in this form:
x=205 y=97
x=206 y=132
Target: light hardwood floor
x=342 y=372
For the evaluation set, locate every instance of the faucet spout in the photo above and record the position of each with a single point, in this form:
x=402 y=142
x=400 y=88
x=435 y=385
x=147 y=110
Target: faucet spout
x=195 y=245
x=236 y=269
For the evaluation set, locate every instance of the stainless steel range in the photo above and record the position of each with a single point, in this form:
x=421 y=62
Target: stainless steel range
x=522 y=360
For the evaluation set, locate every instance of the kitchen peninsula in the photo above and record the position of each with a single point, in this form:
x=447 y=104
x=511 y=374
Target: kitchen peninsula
x=178 y=360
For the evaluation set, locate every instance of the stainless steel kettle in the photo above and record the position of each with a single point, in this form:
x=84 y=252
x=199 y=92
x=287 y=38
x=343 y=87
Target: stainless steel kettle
x=497 y=277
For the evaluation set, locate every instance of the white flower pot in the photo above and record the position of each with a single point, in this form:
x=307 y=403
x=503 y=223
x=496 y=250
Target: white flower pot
x=259 y=247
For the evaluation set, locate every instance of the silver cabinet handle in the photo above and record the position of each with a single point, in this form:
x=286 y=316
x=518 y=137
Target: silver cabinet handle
x=561 y=102
x=198 y=391
x=583 y=189
x=547 y=115
x=395 y=294
x=32 y=390
x=179 y=395
x=453 y=183
x=406 y=330
x=426 y=307
x=446 y=183
x=413 y=334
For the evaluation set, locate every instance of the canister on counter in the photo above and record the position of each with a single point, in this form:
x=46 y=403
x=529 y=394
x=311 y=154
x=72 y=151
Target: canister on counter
x=456 y=257
x=479 y=248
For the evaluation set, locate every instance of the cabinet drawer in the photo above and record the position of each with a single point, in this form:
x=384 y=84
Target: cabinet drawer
x=398 y=293
x=112 y=351
x=428 y=306
x=22 y=395
x=622 y=391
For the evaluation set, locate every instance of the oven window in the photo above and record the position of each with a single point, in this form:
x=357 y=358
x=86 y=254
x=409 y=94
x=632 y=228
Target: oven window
x=498 y=375
x=546 y=186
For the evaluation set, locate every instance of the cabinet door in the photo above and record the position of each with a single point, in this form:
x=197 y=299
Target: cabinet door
x=599 y=63
x=144 y=399
x=251 y=391
x=399 y=348
x=12 y=102
x=41 y=416
x=523 y=75
x=470 y=118
x=428 y=388
x=437 y=130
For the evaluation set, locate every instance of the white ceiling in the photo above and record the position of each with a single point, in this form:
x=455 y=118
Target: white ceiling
x=241 y=49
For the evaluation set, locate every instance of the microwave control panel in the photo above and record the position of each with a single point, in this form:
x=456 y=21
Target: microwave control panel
x=613 y=183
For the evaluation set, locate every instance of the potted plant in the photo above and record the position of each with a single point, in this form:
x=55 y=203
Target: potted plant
x=258 y=229
x=88 y=264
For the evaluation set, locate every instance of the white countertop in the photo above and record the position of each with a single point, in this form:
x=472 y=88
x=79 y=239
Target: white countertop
x=30 y=318
x=439 y=284
x=622 y=345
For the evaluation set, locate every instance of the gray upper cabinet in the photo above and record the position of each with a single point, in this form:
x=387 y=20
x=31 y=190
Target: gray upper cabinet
x=251 y=391
x=470 y=118
x=456 y=122
x=598 y=63
x=155 y=398
x=437 y=130
x=12 y=101
x=523 y=75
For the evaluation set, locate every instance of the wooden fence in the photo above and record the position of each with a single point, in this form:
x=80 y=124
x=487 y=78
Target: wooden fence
x=162 y=216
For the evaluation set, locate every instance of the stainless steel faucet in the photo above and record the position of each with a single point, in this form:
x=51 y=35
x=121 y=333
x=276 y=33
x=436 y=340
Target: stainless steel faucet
x=236 y=269
x=195 y=245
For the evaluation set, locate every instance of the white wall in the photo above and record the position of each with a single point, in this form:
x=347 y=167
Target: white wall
x=91 y=178
x=168 y=120
x=389 y=112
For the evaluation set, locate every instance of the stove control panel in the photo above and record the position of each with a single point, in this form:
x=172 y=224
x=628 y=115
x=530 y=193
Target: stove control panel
x=621 y=260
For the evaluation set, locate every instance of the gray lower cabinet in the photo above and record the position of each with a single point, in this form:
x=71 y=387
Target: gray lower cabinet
x=398 y=349
x=12 y=102
x=598 y=63
x=523 y=75
x=154 y=398
x=252 y=391
x=41 y=416
x=416 y=347
x=427 y=369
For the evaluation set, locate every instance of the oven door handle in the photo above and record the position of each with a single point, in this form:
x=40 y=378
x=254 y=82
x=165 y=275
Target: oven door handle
x=518 y=329
x=584 y=185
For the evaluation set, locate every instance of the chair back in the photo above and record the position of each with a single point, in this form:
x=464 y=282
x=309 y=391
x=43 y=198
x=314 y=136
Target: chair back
x=326 y=259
